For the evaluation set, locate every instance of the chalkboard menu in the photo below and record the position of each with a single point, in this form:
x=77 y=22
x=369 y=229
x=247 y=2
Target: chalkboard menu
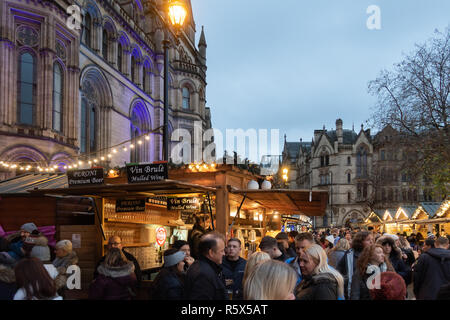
x=147 y=172
x=85 y=177
x=123 y=205
x=187 y=217
x=183 y=203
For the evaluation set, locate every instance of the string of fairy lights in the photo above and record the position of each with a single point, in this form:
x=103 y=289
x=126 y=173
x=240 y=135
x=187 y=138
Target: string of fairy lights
x=87 y=159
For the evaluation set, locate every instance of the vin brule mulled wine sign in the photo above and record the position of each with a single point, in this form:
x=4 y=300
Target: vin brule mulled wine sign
x=85 y=177
x=147 y=172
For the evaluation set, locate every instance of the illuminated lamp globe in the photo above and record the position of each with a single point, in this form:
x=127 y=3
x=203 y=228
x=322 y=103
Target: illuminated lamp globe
x=177 y=13
x=253 y=185
x=266 y=185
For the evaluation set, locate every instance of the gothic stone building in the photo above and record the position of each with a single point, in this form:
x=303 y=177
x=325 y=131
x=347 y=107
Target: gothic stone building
x=75 y=93
x=361 y=172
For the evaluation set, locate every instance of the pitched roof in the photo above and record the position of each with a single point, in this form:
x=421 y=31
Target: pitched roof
x=292 y=149
x=32 y=181
x=349 y=136
x=409 y=211
x=430 y=207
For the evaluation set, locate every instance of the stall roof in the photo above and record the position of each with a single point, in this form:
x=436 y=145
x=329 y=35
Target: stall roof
x=164 y=187
x=30 y=181
x=408 y=210
x=288 y=201
x=430 y=207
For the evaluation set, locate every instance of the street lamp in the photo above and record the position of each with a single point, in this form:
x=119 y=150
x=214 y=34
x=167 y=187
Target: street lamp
x=177 y=14
x=285 y=175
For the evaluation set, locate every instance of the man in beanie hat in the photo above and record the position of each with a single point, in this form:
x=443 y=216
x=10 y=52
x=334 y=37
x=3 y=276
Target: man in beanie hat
x=17 y=240
x=169 y=283
x=392 y=287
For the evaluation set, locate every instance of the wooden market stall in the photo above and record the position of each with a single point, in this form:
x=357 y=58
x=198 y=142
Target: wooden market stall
x=403 y=218
x=389 y=225
x=375 y=220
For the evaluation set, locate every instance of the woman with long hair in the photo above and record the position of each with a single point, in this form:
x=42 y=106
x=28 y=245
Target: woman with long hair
x=169 y=283
x=270 y=280
x=394 y=254
x=336 y=254
x=252 y=262
x=320 y=282
x=372 y=260
x=347 y=264
x=116 y=279
x=34 y=281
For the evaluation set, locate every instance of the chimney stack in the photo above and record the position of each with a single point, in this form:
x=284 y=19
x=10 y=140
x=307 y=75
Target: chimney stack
x=339 y=131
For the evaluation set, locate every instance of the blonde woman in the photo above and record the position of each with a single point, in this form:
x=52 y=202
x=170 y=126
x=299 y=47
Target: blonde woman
x=252 y=262
x=320 y=282
x=270 y=280
x=336 y=254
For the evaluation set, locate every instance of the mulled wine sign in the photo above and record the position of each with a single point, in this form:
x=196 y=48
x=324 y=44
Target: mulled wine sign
x=130 y=205
x=147 y=172
x=85 y=177
x=183 y=203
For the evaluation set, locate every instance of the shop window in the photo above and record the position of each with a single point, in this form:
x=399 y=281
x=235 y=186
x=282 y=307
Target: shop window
x=27 y=88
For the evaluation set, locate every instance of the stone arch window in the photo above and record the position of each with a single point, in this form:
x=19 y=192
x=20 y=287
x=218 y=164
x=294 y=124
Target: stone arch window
x=146 y=76
x=186 y=98
x=87 y=29
x=133 y=68
x=26 y=97
x=349 y=178
x=324 y=159
x=139 y=126
x=89 y=119
x=58 y=89
x=361 y=162
x=349 y=197
x=105 y=44
x=119 y=57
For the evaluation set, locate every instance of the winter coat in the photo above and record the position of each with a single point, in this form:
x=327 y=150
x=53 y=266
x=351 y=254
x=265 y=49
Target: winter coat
x=205 y=281
x=334 y=257
x=322 y=286
x=237 y=275
x=293 y=262
x=410 y=256
x=61 y=264
x=113 y=283
x=345 y=271
x=168 y=286
x=401 y=268
x=130 y=257
x=431 y=272
x=359 y=289
x=7 y=283
x=15 y=246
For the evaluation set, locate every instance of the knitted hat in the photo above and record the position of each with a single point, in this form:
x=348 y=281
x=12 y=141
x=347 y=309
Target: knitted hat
x=173 y=259
x=66 y=245
x=392 y=287
x=38 y=250
x=29 y=227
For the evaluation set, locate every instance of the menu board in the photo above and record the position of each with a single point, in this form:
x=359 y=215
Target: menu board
x=183 y=203
x=123 y=205
x=187 y=217
x=147 y=172
x=85 y=177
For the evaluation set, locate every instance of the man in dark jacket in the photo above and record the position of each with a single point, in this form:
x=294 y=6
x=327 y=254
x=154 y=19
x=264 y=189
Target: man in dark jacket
x=432 y=271
x=204 y=279
x=233 y=268
x=116 y=242
x=283 y=245
x=198 y=230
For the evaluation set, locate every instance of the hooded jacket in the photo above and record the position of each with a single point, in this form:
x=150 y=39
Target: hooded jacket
x=322 y=286
x=431 y=272
x=113 y=283
x=7 y=283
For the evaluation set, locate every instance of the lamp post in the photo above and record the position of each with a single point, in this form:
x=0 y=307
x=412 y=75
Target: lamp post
x=177 y=14
x=285 y=176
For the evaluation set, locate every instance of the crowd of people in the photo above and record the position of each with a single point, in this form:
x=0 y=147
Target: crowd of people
x=334 y=264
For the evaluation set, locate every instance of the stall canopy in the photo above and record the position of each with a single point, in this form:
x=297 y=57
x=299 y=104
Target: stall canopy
x=165 y=187
x=289 y=202
x=26 y=182
x=376 y=216
x=405 y=212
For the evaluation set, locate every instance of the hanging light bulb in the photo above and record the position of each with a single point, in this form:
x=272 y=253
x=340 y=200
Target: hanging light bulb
x=114 y=151
x=70 y=167
x=80 y=163
x=147 y=138
x=102 y=158
x=131 y=146
x=139 y=142
x=65 y=167
x=124 y=149
x=95 y=160
x=75 y=165
x=90 y=162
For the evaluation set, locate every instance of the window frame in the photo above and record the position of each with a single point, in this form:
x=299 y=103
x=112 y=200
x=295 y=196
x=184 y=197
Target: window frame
x=56 y=64
x=33 y=87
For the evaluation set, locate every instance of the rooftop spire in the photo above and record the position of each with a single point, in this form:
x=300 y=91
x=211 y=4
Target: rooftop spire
x=202 y=41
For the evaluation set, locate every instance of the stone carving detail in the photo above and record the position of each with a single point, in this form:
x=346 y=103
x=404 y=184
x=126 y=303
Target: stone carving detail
x=60 y=50
x=89 y=92
x=27 y=36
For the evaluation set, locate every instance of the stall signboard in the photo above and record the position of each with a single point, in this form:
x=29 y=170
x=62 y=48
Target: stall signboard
x=147 y=172
x=85 y=177
x=123 y=205
x=183 y=203
x=161 y=235
x=187 y=217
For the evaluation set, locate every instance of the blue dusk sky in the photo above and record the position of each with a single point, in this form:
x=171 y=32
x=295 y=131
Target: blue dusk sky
x=297 y=65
